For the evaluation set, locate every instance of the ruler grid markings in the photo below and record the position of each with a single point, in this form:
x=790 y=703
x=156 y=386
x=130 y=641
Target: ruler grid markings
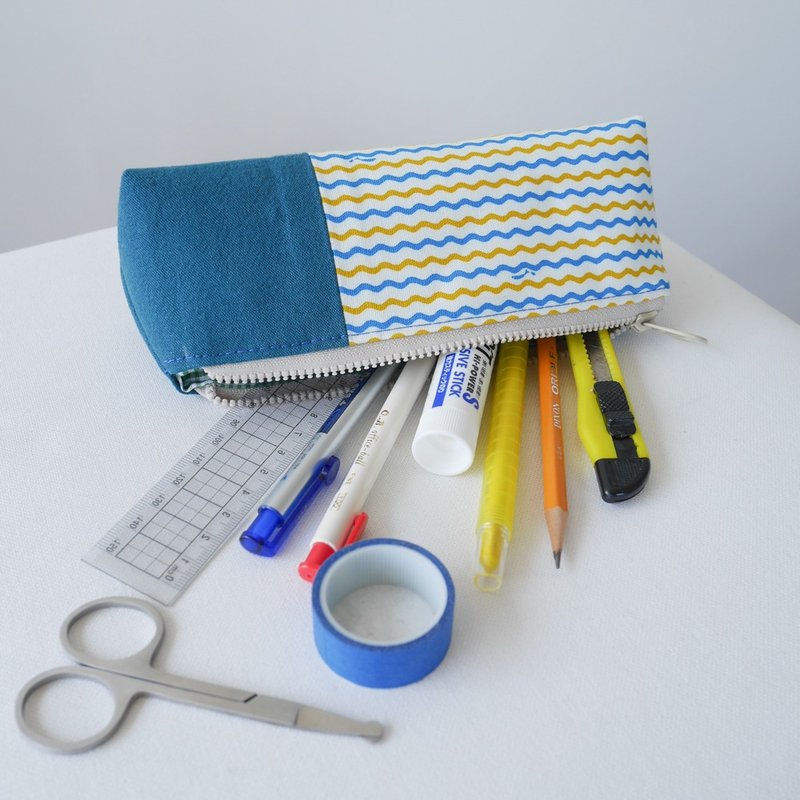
x=181 y=523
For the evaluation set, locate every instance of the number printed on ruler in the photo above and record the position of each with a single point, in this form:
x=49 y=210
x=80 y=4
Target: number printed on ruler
x=180 y=524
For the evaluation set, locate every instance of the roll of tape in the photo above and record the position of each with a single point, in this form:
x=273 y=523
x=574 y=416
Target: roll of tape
x=386 y=646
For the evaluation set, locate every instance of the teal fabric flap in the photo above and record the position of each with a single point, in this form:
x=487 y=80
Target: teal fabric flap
x=228 y=262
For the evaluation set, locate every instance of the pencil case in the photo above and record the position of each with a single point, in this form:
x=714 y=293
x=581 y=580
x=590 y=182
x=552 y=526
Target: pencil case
x=243 y=273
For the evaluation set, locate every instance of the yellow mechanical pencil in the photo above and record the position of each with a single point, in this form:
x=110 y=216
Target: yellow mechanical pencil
x=499 y=493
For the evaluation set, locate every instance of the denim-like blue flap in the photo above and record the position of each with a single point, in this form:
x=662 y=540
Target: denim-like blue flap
x=228 y=262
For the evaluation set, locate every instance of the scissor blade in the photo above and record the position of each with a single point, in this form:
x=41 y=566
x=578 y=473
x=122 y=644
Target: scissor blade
x=315 y=719
x=307 y=718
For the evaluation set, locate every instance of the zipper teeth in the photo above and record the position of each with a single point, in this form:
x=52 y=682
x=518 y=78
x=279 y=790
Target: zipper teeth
x=248 y=400
x=423 y=352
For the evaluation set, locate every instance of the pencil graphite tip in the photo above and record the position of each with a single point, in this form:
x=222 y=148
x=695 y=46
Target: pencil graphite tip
x=556 y=520
x=557 y=558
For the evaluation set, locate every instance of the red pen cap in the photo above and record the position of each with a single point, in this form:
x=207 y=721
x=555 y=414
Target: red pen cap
x=320 y=551
x=317 y=555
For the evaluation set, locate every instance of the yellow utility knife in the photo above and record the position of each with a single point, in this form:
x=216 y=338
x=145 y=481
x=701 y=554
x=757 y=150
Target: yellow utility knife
x=606 y=423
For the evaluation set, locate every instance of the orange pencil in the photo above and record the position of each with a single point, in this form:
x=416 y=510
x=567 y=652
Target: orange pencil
x=553 y=473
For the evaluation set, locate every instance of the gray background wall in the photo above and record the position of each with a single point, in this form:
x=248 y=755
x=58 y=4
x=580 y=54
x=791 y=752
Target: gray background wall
x=90 y=88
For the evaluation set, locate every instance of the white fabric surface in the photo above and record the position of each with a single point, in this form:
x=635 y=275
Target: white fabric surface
x=661 y=661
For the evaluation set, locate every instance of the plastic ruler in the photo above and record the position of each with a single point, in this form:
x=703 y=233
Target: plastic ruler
x=178 y=526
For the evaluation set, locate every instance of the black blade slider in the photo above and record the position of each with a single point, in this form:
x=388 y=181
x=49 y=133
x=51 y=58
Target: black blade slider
x=622 y=477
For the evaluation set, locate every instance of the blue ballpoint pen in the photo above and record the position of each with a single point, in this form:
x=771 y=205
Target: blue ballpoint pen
x=270 y=528
x=315 y=467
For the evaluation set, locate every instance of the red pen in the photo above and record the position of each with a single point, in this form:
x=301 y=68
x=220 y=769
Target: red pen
x=322 y=549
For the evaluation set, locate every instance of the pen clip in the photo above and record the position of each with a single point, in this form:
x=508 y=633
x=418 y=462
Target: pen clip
x=356 y=529
x=270 y=529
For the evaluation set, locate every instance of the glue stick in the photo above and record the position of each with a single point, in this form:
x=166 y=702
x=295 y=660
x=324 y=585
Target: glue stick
x=451 y=419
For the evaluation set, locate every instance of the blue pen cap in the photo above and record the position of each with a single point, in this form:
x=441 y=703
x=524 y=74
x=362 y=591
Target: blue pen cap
x=260 y=537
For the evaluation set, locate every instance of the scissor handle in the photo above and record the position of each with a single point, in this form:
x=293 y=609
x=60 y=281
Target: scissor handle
x=118 y=687
x=143 y=657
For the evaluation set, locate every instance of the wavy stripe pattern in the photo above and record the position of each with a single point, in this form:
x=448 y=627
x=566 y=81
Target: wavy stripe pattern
x=488 y=155
x=447 y=236
x=512 y=166
x=483 y=321
x=633 y=122
x=493 y=233
x=509 y=286
x=491 y=255
x=468 y=203
x=641 y=205
x=475 y=312
x=479 y=274
x=441 y=189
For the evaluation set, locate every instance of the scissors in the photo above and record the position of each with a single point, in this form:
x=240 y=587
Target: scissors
x=134 y=676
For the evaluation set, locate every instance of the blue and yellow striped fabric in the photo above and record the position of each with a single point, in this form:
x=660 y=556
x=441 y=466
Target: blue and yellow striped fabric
x=426 y=239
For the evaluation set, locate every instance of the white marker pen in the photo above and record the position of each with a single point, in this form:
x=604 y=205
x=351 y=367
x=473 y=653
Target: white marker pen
x=344 y=519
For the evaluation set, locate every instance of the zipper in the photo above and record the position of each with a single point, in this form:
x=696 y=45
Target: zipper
x=238 y=379
x=644 y=322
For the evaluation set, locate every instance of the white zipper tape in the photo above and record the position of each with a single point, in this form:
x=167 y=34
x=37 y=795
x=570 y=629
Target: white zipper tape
x=390 y=351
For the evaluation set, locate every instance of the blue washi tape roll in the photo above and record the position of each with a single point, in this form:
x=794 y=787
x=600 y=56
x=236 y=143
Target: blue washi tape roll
x=394 y=652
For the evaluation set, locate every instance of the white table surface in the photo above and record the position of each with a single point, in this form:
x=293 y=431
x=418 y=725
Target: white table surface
x=661 y=661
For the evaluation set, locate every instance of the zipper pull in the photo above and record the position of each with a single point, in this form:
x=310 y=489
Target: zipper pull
x=643 y=323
